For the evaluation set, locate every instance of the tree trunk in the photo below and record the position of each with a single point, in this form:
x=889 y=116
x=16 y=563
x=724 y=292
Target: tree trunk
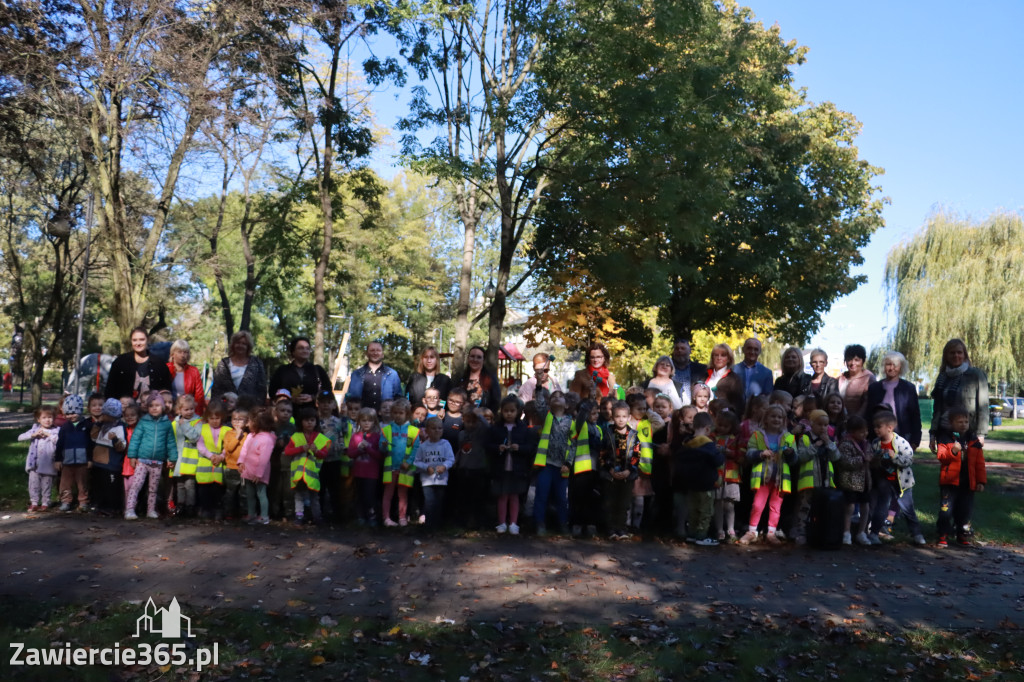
x=462 y=323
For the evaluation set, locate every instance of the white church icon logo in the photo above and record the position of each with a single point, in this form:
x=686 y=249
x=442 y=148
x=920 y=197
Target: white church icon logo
x=168 y=622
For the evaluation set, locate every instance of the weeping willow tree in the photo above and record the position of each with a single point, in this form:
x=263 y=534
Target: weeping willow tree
x=960 y=278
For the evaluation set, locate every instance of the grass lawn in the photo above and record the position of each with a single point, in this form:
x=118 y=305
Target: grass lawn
x=1011 y=429
x=267 y=646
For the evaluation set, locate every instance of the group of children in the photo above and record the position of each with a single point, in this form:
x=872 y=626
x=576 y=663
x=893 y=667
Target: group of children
x=618 y=467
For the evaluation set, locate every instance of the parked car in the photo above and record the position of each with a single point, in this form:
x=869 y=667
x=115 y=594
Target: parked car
x=1006 y=406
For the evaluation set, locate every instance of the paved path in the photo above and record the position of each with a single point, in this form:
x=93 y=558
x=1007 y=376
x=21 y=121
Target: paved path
x=55 y=559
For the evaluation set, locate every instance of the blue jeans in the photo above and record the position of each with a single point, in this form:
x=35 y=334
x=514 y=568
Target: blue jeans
x=433 y=501
x=550 y=483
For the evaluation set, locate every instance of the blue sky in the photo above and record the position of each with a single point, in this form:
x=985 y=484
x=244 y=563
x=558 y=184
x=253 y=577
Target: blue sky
x=939 y=90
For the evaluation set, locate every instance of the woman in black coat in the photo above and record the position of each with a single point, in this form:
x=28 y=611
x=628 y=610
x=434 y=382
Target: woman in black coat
x=794 y=380
x=240 y=372
x=821 y=385
x=137 y=371
x=902 y=400
x=481 y=382
x=427 y=375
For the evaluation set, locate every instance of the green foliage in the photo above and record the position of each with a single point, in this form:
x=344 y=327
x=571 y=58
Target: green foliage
x=958 y=278
x=692 y=175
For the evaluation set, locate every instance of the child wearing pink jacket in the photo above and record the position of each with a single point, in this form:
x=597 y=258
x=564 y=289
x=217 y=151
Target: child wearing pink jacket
x=254 y=463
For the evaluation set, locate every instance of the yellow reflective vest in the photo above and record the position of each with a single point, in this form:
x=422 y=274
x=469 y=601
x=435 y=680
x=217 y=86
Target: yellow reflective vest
x=405 y=478
x=541 y=459
x=582 y=460
x=206 y=471
x=189 y=458
x=757 y=474
x=306 y=467
x=645 y=435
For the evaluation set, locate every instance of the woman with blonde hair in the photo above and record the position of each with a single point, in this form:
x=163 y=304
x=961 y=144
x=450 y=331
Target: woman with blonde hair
x=240 y=372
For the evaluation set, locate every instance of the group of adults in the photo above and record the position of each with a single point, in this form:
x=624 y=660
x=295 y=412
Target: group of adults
x=241 y=372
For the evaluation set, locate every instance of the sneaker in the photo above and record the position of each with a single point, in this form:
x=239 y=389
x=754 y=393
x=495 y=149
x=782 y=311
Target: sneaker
x=422 y=520
x=66 y=508
x=152 y=515
x=731 y=537
x=721 y=535
x=874 y=539
x=86 y=509
x=389 y=523
x=614 y=535
x=862 y=539
x=265 y=521
x=773 y=538
x=886 y=537
x=502 y=528
x=919 y=540
x=130 y=516
x=706 y=542
x=577 y=531
x=942 y=542
x=403 y=522
x=780 y=535
x=513 y=529
x=964 y=541
x=748 y=537
x=299 y=521
x=847 y=539
x=625 y=536
x=31 y=508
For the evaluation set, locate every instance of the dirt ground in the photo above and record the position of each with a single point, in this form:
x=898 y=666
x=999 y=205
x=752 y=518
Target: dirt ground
x=51 y=559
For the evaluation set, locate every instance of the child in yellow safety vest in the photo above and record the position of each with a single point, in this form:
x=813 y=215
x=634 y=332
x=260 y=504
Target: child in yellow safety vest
x=589 y=445
x=186 y=434
x=335 y=474
x=306 y=449
x=400 y=445
x=210 y=469
x=815 y=453
x=771 y=449
x=550 y=465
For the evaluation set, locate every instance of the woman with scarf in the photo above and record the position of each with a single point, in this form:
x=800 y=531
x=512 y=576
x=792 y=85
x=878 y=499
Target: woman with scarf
x=595 y=381
x=959 y=385
x=722 y=380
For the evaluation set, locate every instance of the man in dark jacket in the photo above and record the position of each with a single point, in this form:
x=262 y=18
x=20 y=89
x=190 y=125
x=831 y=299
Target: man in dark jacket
x=687 y=372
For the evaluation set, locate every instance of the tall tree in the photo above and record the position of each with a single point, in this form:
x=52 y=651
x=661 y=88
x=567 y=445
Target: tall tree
x=331 y=116
x=42 y=183
x=959 y=278
x=479 y=60
x=697 y=178
x=148 y=74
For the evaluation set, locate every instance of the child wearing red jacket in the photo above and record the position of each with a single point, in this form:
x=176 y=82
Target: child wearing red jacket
x=962 y=474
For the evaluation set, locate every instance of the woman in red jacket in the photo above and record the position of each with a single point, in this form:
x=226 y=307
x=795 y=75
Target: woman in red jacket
x=185 y=378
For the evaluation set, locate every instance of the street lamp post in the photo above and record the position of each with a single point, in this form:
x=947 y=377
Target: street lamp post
x=81 y=302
